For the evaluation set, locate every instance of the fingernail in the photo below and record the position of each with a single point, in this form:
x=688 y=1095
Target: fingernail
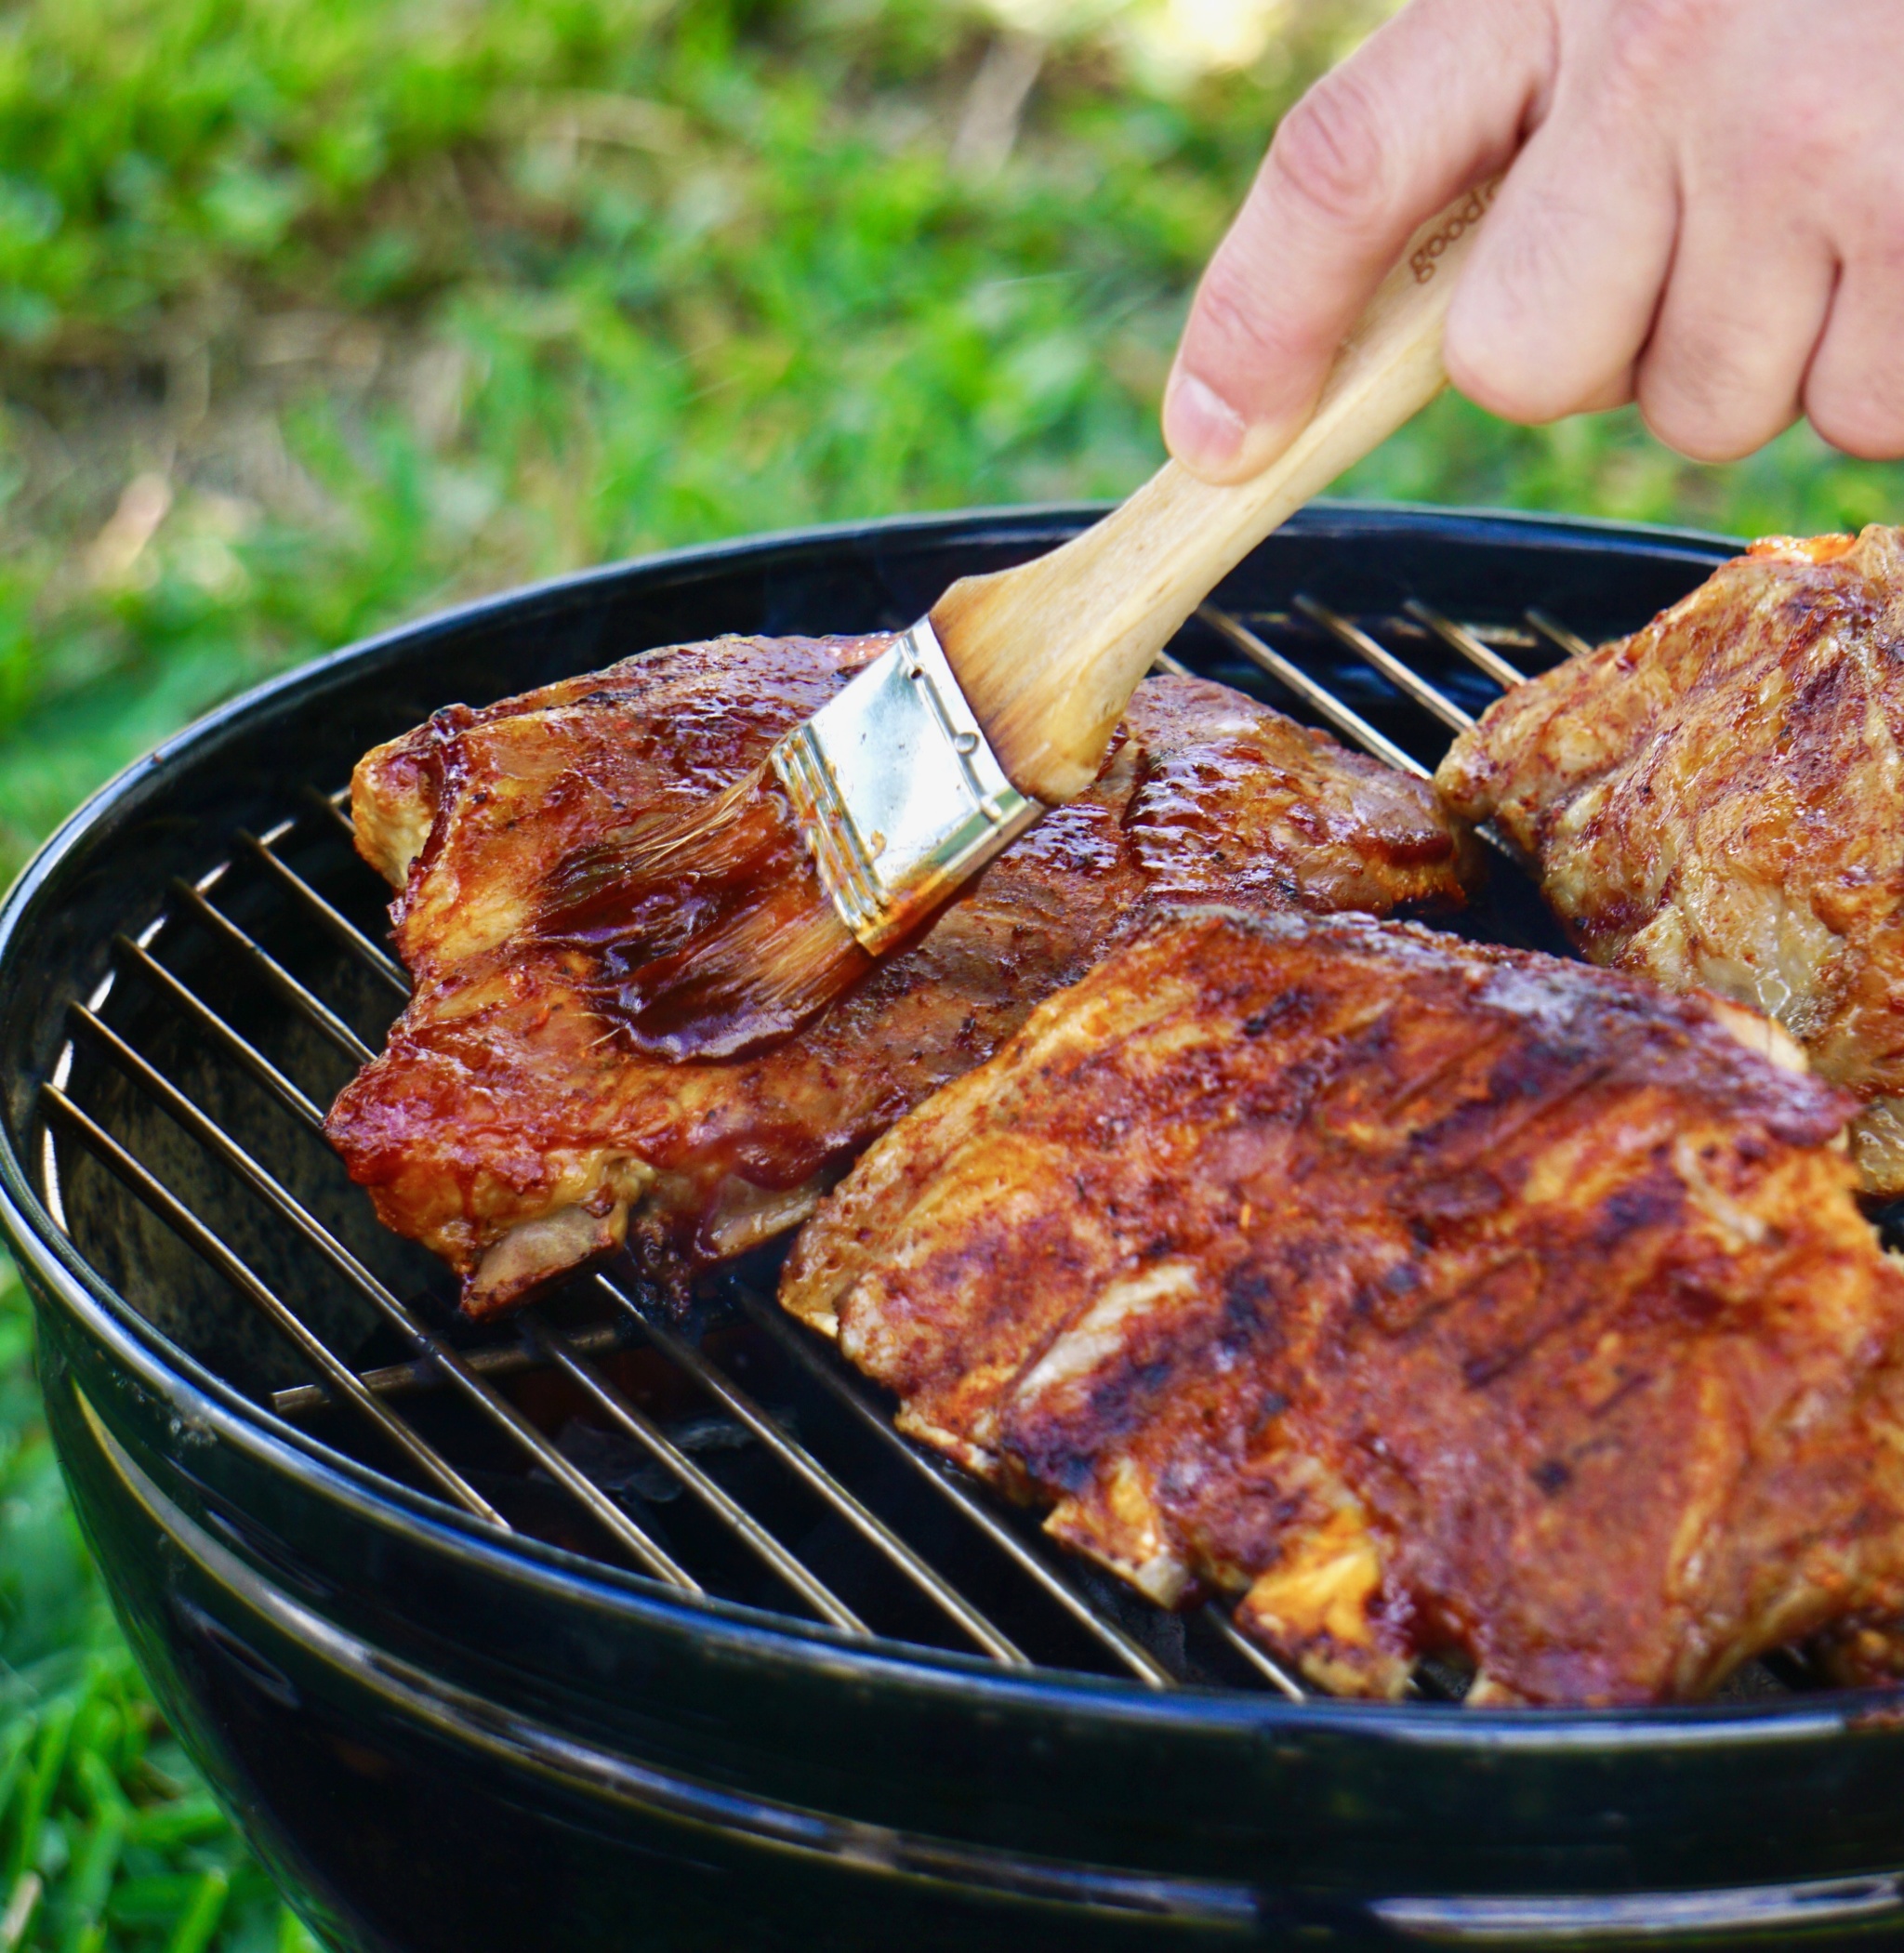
x=1202 y=428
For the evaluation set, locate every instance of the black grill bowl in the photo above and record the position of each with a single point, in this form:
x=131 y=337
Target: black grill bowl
x=442 y=1737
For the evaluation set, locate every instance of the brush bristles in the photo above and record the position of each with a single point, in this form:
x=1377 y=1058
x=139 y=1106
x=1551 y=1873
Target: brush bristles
x=754 y=978
x=715 y=934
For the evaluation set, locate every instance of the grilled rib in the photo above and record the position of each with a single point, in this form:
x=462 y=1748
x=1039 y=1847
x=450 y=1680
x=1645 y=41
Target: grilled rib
x=509 y=1125
x=1718 y=801
x=1432 y=1297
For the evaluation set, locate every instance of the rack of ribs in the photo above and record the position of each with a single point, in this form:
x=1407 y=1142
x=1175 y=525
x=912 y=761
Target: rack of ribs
x=508 y=1124
x=1718 y=801
x=1432 y=1298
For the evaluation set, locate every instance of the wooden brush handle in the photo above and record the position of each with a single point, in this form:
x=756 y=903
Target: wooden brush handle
x=1048 y=653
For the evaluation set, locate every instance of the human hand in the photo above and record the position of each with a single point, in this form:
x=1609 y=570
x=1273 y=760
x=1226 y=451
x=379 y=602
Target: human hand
x=1704 y=212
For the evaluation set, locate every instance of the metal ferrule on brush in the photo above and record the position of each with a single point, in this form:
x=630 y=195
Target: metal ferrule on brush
x=898 y=795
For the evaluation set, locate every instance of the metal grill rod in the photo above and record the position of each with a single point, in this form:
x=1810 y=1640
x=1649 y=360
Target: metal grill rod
x=132 y=1174
x=1260 y=1659
x=201 y=1014
x=335 y=807
x=1557 y=634
x=275 y=974
x=495 y=1359
x=1131 y=1652
x=1344 y=718
x=561 y=1351
x=1460 y=639
x=1404 y=678
x=340 y=924
x=949 y=1602
x=499 y=1410
x=814 y=1475
x=660 y=1447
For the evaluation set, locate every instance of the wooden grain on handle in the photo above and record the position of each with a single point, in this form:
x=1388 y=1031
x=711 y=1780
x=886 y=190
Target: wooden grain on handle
x=1049 y=653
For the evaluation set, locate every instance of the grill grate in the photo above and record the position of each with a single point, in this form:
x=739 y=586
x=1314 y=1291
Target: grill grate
x=787 y=1486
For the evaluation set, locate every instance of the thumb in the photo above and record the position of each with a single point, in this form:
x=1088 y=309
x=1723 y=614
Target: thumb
x=1434 y=101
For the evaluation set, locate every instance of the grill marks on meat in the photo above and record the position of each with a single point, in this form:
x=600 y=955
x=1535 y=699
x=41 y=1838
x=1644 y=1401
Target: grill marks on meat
x=1718 y=801
x=510 y=1127
x=1432 y=1297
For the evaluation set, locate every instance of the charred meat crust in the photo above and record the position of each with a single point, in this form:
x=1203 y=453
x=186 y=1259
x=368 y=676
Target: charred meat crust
x=1430 y=1298
x=1718 y=801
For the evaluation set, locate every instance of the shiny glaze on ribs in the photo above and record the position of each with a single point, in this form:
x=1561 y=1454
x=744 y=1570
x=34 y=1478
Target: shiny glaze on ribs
x=1432 y=1297
x=1719 y=801
x=510 y=1127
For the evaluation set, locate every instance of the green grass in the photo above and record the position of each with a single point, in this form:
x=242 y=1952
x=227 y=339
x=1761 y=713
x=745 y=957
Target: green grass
x=318 y=313
x=107 y=1836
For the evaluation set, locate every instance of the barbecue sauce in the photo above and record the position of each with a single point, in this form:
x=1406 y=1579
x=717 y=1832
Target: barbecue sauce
x=711 y=932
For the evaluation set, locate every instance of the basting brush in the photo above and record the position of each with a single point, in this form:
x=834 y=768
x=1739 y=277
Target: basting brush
x=723 y=930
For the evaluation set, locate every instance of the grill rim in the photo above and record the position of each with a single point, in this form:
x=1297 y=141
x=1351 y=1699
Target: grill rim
x=197 y=1397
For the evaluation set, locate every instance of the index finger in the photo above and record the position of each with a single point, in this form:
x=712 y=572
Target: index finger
x=1434 y=101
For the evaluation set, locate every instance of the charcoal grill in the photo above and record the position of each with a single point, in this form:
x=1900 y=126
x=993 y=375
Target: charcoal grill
x=603 y=1626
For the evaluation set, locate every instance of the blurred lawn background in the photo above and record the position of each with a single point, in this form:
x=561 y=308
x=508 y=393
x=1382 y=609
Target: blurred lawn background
x=316 y=315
